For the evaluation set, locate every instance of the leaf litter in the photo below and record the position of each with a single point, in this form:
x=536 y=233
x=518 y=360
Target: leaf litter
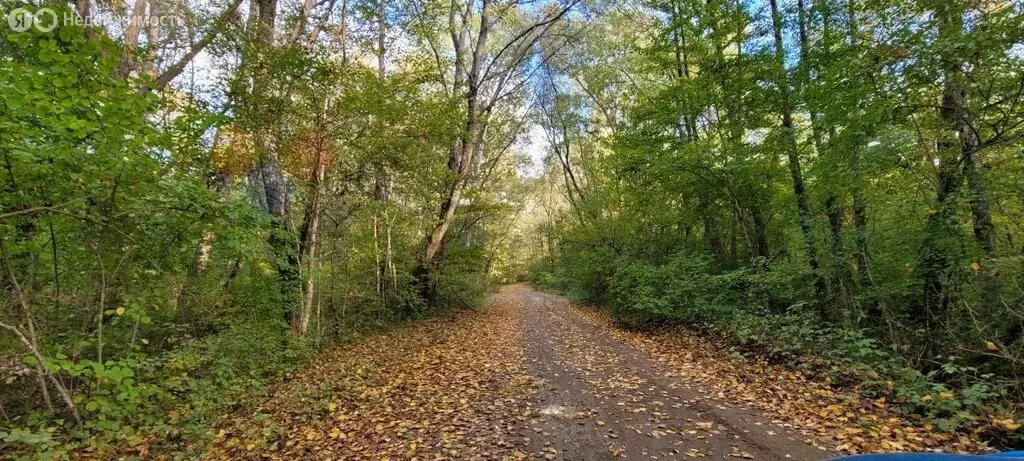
x=449 y=387
x=457 y=387
x=837 y=419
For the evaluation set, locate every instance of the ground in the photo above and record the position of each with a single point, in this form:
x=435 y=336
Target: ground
x=532 y=377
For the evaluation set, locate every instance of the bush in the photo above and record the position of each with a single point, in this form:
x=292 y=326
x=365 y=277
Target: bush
x=684 y=290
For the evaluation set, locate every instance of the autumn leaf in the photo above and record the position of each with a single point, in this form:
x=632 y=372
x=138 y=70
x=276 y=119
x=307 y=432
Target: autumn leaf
x=1007 y=425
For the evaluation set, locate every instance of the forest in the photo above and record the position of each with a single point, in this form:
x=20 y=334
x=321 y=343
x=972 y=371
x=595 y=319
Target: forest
x=201 y=201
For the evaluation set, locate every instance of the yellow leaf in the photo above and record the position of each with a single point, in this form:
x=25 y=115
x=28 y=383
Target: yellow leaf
x=120 y=311
x=991 y=346
x=945 y=395
x=976 y=266
x=926 y=399
x=310 y=435
x=1008 y=425
x=332 y=406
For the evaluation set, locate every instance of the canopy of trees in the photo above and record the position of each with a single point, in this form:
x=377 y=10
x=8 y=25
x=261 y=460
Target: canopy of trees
x=197 y=196
x=839 y=178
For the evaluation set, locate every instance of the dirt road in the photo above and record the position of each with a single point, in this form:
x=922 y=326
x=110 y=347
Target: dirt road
x=601 y=399
x=527 y=377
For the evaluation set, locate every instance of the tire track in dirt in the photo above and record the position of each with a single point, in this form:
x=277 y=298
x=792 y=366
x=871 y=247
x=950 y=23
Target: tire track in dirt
x=601 y=399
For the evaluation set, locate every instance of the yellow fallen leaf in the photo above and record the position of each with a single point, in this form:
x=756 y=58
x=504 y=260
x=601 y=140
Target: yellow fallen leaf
x=120 y=311
x=1008 y=425
x=991 y=346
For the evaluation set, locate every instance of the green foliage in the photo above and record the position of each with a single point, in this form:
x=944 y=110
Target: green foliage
x=139 y=256
x=683 y=290
x=887 y=260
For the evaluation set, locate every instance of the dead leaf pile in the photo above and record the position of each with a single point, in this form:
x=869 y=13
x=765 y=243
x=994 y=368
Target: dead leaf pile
x=448 y=387
x=840 y=420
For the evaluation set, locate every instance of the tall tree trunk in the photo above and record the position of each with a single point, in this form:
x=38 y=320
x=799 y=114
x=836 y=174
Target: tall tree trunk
x=984 y=231
x=381 y=194
x=464 y=149
x=131 y=39
x=841 y=274
x=860 y=218
x=84 y=8
x=382 y=179
x=956 y=142
x=152 y=41
x=860 y=224
x=688 y=129
x=793 y=154
x=712 y=239
x=282 y=239
x=309 y=240
x=343 y=34
x=760 y=232
x=381 y=38
x=206 y=245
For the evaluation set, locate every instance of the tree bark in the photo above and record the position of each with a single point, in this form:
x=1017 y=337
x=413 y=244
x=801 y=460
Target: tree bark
x=382 y=178
x=689 y=125
x=131 y=39
x=793 y=154
x=282 y=239
x=309 y=240
x=956 y=143
x=984 y=231
x=462 y=151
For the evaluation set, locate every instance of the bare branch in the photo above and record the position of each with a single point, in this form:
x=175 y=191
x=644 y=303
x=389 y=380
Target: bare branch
x=218 y=24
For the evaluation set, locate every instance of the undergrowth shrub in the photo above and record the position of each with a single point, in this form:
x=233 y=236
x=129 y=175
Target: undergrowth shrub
x=683 y=290
x=764 y=318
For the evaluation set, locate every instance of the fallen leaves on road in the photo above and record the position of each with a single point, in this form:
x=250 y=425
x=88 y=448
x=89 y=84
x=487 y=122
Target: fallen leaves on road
x=840 y=420
x=448 y=387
